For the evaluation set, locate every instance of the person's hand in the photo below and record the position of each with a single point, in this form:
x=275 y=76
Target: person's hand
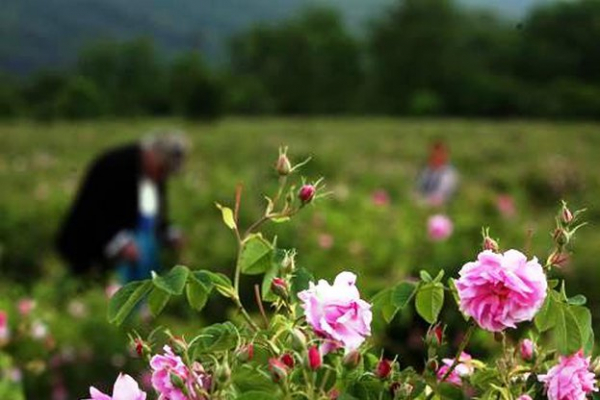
x=129 y=252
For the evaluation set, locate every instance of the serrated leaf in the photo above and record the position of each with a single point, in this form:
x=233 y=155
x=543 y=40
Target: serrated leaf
x=430 y=300
x=196 y=293
x=227 y=215
x=567 y=332
x=383 y=305
x=402 y=293
x=546 y=317
x=220 y=281
x=123 y=302
x=583 y=317
x=217 y=337
x=256 y=255
x=271 y=273
x=484 y=377
x=157 y=300
x=173 y=281
x=300 y=280
x=439 y=276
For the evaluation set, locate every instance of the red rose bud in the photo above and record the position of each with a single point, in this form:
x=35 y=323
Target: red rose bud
x=139 y=347
x=490 y=244
x=278 y=369
x=283 y=167
x=314 y=358
x=287 y=360
x=245 y=353
x=279 y=287
x=352 y=359
x=333 y=394
x=432 y=365
x=307 y=193
x=527 y=349
x=435 y=335
x=384 y=368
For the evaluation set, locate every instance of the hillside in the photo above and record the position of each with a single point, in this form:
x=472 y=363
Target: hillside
x=48 y=33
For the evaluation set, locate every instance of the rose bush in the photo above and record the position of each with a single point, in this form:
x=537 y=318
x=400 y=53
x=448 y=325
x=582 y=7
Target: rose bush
x=314 y=339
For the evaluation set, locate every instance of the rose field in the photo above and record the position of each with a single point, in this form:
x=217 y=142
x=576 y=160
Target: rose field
x=324 y=279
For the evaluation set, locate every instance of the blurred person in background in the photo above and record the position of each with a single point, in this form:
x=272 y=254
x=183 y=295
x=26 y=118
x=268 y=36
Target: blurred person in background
x=119 y=217
x=437 y=182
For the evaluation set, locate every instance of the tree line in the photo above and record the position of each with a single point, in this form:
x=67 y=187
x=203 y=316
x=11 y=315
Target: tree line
x=423 y=57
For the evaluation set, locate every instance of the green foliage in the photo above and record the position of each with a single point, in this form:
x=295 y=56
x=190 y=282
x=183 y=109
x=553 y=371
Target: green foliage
x=430 y=300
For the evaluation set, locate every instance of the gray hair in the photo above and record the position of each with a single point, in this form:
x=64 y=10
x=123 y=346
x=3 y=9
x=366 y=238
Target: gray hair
x=170 y=145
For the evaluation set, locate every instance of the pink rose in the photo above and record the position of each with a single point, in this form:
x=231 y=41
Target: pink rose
x=524 y=397
x=439 y=227
x=501 y=290
x=25 y=306
x=526 y=349
x=125 y=388
x=168 y=368
x=337 y=312
x=463 y=368
x=4 y=329
x=380 y=198
x=506 y=205
x=570 y=379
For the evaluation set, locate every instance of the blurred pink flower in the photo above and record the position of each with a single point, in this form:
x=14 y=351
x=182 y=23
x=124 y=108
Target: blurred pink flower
x=380 y=198
x=4 y=329
x=325 y=241
x=111 y=289
x=501 y=290
x=39 y=330
x=524 y=397
x=462 y=369
x=439 y=227
x=337 y=312
x=570 y=379
x=526 y=349
x=506 y=205
x=125 y=388
x=25 y=306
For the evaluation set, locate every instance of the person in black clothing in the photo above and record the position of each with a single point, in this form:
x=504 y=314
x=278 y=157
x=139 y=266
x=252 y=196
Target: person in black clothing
x=119 y=216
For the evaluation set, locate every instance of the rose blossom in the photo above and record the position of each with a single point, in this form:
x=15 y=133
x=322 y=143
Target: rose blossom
x=337 y=312
x=125 y=388
x=439 y=227
x=168 y=366
x=524 y=397
x=501 y=290
x=463 y=368
x=570 y=379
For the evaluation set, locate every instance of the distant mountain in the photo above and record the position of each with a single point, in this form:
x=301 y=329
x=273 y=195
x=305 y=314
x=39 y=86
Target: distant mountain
x=48 y=33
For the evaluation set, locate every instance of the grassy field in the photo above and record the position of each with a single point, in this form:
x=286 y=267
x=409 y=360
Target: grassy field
x=534 y=163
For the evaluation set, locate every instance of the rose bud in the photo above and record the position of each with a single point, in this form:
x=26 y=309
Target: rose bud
x=490 y=244
x=245 y=353
x=384 y=368
x=307 y=193
x=567 y=216
x=352 y=359
x=435 y=335
x=278 y=369
x=279 y=287
x=283 y=166
x=287 y=360
x=526 y=349
x=314 y=358
x=298 y=339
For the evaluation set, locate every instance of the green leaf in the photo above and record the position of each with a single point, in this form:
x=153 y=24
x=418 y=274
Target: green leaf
x=267 y=295
x=227 y=215
x=220 y=281
x=583 y=317
x=402 y=293
x=256 y=255
x=425 y=277
x=567 y=332
x=300 y=280
x=546 y=317
x=439 y=276
x=430 y=299
x=484 y=377
x=124 y=301
x=157 y=300
x=279 y=220
x=217 y=337
x=197 y=293
x=450 y=391
x=174 y=281
x=255 y=395
x=577 y=300
x=384 y=306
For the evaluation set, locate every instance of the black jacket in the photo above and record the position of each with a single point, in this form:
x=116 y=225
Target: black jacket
x=106 y=203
